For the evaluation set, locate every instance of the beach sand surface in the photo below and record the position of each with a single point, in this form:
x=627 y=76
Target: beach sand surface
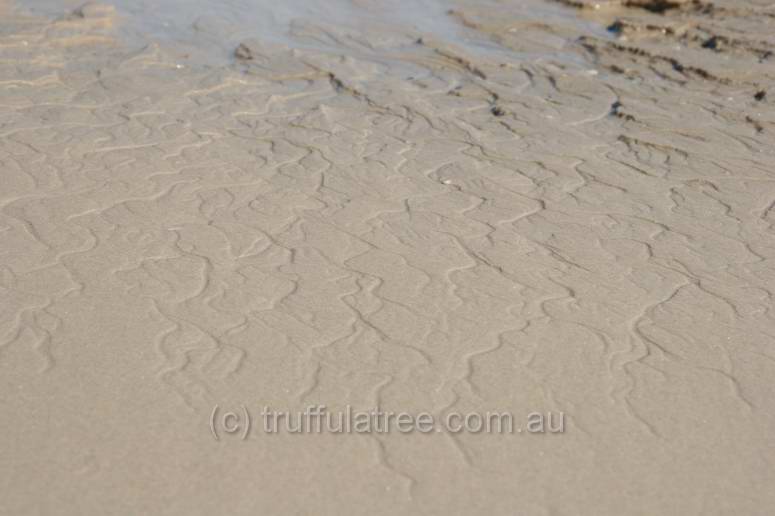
x=563 y=208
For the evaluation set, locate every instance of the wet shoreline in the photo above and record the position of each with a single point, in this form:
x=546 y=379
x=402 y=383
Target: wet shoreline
x=516 y=207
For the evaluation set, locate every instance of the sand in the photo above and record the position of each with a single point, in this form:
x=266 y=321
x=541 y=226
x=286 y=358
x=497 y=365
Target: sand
x=562 y=208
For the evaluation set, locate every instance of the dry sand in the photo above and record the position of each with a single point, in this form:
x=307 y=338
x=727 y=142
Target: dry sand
x=474 y=206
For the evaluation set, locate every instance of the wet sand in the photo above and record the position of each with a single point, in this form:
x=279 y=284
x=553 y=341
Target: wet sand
x=552 y=207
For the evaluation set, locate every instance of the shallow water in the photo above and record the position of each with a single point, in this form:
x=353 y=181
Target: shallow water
x=213 y=29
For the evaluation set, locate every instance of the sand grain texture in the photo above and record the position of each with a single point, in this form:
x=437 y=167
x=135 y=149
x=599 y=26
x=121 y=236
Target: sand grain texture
x=555 y=218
